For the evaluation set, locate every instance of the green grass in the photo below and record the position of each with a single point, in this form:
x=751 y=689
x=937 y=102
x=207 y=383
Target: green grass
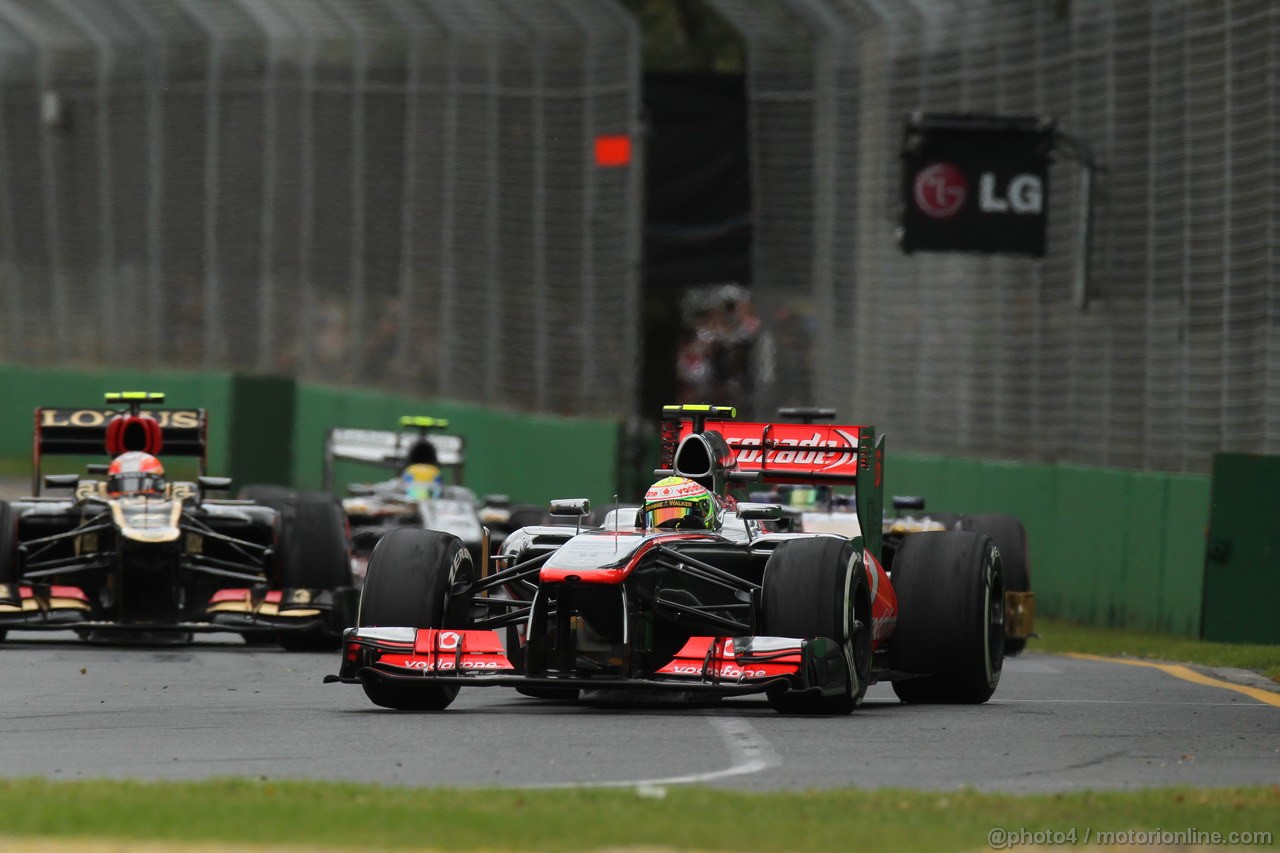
x=368 y=817
x=1055 y=636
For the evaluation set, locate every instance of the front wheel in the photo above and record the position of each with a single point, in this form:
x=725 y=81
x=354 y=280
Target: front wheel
x=950 y=629
x=818 y=588
x=411 y=573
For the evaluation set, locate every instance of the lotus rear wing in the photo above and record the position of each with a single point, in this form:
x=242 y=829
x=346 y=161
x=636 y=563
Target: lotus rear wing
x=390 y=448
x=792 y=453
x=112 y=430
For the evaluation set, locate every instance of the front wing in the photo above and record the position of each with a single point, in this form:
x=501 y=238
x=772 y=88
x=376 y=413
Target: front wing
x=62 y=607
x=726 y=666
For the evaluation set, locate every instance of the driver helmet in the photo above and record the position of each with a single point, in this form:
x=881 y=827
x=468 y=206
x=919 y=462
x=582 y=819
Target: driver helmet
x=679 y=503
x=421 y=481
x=135 y=473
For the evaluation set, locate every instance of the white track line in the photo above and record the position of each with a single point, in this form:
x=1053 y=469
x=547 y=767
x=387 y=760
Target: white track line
x=748 y=750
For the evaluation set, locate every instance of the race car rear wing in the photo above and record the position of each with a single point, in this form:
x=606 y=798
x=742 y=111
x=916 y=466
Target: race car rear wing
x=390 y=448
x=112 y=430
x=786 y=452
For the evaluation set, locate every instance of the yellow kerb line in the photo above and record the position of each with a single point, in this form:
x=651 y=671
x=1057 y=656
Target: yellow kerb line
x=1186 y=674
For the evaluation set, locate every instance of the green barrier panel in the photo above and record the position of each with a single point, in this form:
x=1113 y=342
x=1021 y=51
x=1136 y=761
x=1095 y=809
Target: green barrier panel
x=1242 y=558
x=1186 y=522
x=1106 y=547
x=260 y=434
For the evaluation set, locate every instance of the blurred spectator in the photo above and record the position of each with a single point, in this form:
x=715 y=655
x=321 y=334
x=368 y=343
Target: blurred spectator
x=713 y=363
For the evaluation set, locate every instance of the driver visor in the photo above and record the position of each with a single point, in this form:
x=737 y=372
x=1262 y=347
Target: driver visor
x=135 y=482
x=656 y=514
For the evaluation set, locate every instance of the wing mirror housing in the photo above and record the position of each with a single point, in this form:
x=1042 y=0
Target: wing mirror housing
x=210 y=484
x=577 y=508
x=760 y=512
x=901 y=502
x=61 y=481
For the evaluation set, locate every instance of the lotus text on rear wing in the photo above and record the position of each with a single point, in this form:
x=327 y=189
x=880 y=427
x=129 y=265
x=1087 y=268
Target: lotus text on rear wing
x=799 y=452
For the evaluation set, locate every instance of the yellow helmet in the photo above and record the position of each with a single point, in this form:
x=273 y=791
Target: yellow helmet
x=679 y=503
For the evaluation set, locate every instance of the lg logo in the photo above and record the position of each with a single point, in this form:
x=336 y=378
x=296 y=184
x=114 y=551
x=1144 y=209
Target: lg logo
x=940 y=190
x=1024 y=195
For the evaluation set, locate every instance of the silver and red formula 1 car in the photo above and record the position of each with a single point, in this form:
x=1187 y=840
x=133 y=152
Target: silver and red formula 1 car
x=807 y=619
x=136 y=556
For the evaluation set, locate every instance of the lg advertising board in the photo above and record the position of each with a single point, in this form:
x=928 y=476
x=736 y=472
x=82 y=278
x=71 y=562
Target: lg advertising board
x=975 y=183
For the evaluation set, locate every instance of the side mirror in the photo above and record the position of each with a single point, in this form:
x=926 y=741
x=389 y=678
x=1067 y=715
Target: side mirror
x=97 y=468
x=209 y=484
x=360 y=490
x=760 y=512
x=577 y=508
x=495 y=500
x=901 y=502
x=61 y=481
x=571 y=508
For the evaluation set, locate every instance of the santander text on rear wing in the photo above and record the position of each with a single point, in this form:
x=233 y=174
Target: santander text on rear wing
x=784 y=452
x=788 y=452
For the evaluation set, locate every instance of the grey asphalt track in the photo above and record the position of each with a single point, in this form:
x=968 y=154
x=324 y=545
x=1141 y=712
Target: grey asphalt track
x=218 y=708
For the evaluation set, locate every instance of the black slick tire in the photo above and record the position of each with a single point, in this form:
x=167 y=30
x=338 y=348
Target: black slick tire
x=1011 y=539
x=314 y=554
x=411 y=573
x=950 y=629
x=818 y=588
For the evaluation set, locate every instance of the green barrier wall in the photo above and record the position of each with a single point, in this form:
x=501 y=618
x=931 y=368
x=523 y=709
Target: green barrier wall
x=1107 y=547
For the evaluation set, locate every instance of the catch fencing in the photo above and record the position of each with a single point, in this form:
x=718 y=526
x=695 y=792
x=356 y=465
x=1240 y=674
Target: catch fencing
x=393 y=193
x=1177 y=353
x=436 y=197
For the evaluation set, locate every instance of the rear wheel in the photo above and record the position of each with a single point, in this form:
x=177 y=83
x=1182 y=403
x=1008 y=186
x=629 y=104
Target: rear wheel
x=411 y=573
x=1011 y=540
x=818 y=588
x=314 y=555
x=950 y=629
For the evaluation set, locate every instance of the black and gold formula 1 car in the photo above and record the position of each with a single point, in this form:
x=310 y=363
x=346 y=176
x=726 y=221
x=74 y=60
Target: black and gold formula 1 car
x=135 y=556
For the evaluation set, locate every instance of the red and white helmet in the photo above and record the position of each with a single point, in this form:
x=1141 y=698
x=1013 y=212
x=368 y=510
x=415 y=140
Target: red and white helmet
x=135 y=473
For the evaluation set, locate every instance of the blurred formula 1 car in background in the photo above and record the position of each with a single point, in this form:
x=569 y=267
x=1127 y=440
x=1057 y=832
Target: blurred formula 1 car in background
x=139 y=557
x=426 y=492
x=819 y=508
x=702 y=595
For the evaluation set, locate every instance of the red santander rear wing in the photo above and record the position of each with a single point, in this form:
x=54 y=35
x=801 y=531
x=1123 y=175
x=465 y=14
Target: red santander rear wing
x=799 y=453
